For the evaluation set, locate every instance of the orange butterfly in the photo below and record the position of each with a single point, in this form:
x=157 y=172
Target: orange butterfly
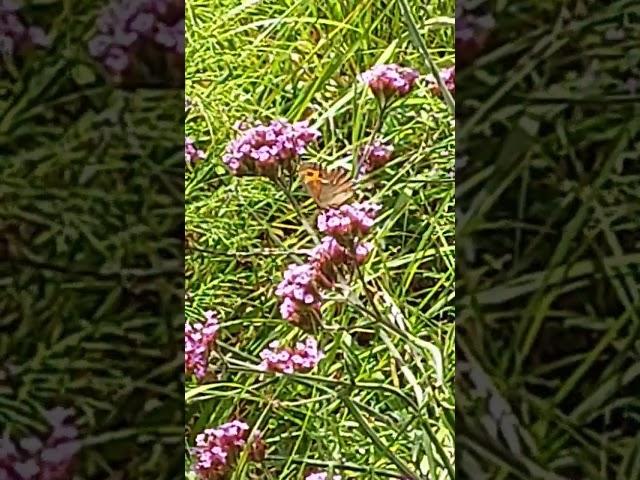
x=329 y=188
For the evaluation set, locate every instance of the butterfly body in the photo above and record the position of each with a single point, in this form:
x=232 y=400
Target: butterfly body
x=329 y=188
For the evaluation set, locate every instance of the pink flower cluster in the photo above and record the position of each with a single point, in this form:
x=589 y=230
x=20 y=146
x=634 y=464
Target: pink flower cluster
x=127 y=27
x=348 y=221
x=299 y=293
x=303 y=358
x=374 y=156
x=217 y=449
x=329 y=257
x=390 y=80
x=472 y=32
x=36 y=459
x=199 y=337
x=322 y=476
x=191 y=153
x=14 y=34
x=264 y=148
x=448 y=77
x=301 y=288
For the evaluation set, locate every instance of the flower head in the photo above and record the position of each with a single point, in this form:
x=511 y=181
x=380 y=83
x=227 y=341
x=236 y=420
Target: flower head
x=265 y=148
x=330 y=259
x=348 y=221
x=15 y=34
x=391 y=80
x=328 y=250
x=217 y=448
x=128 y=27
x=363 y=250
x=472 y=32
x=299 y=293
x=337 y=255
x=39 y=458
x=322 y=476
x=298 y=284
x=199 y=337
x=448 y=77
x=301 y=289
x=302 y=358
x=191 y=153
x=374 y=156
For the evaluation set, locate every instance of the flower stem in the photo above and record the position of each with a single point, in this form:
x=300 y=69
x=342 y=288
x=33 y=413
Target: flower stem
x=298 y=210
x=377 y=314
x=374 y=133
x=310 y=379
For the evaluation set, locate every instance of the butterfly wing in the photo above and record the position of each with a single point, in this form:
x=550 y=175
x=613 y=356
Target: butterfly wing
x=337 y=199
x=329 y=188
x=311 y=177
x=337 y=188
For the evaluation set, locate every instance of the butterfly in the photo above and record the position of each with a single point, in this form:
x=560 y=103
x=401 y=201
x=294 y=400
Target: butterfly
x=329 y=188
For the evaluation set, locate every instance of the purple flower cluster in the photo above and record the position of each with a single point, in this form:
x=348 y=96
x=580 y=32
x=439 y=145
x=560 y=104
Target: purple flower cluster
x=348 y=221
x=218 y=448
x=264 y=148
x=302 y=358
x=322 y=476
x=301 y=288
x=127 y=27
x=34 y=458
x=199 y=338
x=374 y=156
x=15 y=35
x=299 y=293
x=326 y=258
x=472 y=32
x=330 y=259
x=448 y=77
x=391 y=80
x=191 y=153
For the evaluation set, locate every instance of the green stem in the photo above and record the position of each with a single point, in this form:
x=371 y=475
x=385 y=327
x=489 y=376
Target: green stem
x=298 y=210
x=413 y=341
x=418 y=42
x=308 y=379
x=368 y=293
x=355 y=411
x=341 y=466
x=374 y=133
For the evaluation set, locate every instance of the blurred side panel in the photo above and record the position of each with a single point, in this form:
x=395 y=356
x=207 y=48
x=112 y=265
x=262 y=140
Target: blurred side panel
x=548 y=249
x=91 y=239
